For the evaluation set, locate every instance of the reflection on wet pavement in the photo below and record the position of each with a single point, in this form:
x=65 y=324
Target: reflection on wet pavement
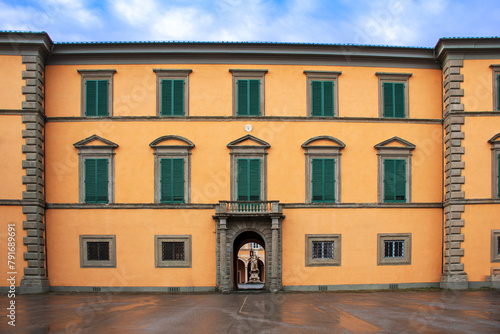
x=434 y=311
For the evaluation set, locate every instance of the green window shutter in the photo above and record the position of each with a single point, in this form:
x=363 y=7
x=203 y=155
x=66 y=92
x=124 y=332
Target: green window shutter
x=172 y=180
x=102 y=180
x=96 y=181
x=254 y=179
x=316 y=98
x=178 y=98
x=91 y=98
x=90 y=180
x=242 y=97
x=394 y=180
x=498 y=175
x=254 y=97
x=102 y=97
x=166 y=98
x=323 y=180
x=248 y=96
x=322 y=98
x=172 y=97
x=399 y=100
x=388 y=88
x=498 y=92
x=248 y=179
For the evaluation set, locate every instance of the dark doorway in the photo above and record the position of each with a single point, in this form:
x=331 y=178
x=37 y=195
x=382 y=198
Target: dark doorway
x=246 y=244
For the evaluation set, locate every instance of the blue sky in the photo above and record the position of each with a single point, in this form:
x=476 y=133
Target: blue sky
x=381 y=22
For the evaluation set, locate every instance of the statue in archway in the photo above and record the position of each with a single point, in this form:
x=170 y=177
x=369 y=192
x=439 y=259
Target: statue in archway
x=254 y=268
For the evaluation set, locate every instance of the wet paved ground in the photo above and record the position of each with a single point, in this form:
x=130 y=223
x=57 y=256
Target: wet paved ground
x=342 y=312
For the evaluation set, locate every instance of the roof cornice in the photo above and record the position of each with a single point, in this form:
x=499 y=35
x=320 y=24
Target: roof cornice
x=473 y=47
x=25 y=43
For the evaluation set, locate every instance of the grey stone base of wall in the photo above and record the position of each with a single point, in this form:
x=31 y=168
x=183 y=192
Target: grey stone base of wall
x=354 y=287
x=132 y=289
x=34 y=285
x=454 y=282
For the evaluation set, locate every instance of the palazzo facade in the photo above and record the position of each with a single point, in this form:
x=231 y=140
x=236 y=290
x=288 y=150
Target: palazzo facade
x=147 y=166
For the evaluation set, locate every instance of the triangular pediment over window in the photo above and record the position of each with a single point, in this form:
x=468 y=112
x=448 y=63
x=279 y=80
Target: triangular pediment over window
x=94 y=141
x=395 y=143
x=495 y=141
x=248 y=140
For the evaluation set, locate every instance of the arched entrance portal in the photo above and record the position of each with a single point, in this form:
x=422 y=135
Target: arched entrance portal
x=245 y=246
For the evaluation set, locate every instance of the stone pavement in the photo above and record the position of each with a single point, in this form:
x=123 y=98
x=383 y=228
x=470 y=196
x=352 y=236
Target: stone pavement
x=428 y=311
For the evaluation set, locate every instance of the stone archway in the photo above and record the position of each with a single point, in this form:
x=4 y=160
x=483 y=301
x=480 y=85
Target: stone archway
x=240 y=240
x=232 y=231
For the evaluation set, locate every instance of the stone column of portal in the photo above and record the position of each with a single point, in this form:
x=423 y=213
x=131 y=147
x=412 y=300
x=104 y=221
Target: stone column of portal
x=223 y=256
x=275 y=248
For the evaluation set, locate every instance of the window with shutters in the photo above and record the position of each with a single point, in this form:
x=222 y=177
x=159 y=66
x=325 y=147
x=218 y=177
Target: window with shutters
x=323 y=169
x=97 y=93
x=172 y=92
x=496 y=86
x=322 y=93
x=394 y=248
x=96 y=171
x=495 y=166
x=248 y=169
x=248 y=92
x=394 y=94
x=172 y=159
x=173 y=251
x=394 y=172
x=97 y=251
x=323 y=250
x=495 y=245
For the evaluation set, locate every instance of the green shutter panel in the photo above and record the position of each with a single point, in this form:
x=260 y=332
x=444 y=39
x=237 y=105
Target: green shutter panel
x=399 y=100
x=254 y=97
x=242 y=97
x=400 y=180
x=166 y=97
x=388 y=88
x=329 y=180
x=91 y=98
x=328 y=98
x=316 y=98
x=389 y=176
x=102 y=180
x=242 y=180
x=166 y=180
x=178 y=180
x=498 y=92
x=178 y=94
x=90 y=181
x=498 y=175
x=254 y=179
x=317 y=180
x=102 y=97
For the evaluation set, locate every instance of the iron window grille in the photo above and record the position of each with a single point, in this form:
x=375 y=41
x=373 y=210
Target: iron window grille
x=394 y=248
x=322 y=249
x=97 y=251
x=172 y=251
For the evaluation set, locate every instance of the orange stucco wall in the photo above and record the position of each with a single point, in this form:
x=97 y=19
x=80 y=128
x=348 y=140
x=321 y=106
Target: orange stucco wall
x=12 y=215
x=478 y=84
x=11 y=95
x=477 y=157
x=210 y=90
x=480 y=220
x=134 y=168
x=11 y=143
x=359 y=229
x=135 y=261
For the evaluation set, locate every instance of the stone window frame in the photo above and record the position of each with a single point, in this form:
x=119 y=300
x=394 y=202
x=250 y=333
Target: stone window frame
x=396 y=78
x=495 y=90
x=322 y=152
x=106 y=151
x=337 y=250
x=495 y=235
x=394 y=152
x=258 y=151
x=323 y=76
x=381 y=237
x=248 y=74
x=172 y=74
x=186 y=239
x=105 y=74
x=175 y=151
x=495 y=152
x=85 y=263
